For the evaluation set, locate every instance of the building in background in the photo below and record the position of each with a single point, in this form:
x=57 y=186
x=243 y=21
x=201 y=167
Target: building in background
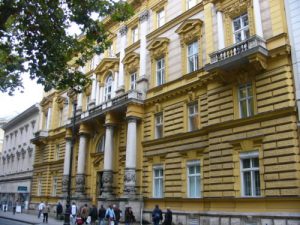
x=17 y=158
x=192 y=107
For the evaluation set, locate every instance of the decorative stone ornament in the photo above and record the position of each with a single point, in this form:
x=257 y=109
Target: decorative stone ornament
x=80 y=180
x=158 y=47
x=65 y=181
x=131 y=62
x=123 y=30
x=189 y=31
x=107 y=180
x=129 y=181
x=144 y=16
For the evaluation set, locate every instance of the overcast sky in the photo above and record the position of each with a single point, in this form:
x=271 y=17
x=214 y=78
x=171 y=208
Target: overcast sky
x=10 y=106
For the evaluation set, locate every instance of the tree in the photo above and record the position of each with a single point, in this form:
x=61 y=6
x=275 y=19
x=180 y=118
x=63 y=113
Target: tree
x=33 y=39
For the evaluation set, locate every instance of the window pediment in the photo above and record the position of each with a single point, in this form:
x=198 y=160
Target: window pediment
x=60 y=101
x=107 y=64
x=189 y=30
x=46 y=103
x=158 y=47
x=131 y=62
x=235 y=9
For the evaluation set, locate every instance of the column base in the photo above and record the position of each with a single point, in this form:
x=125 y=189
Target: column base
x=129 y=183
x=107 y=179
x=65 y=181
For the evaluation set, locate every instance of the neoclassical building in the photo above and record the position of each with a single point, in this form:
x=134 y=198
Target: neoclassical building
x=17 y=157
x=192 y=107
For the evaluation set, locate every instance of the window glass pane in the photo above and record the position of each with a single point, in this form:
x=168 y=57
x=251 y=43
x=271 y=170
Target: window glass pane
x=246 y=34
x=246 y=163
x=236 y=24
x=242 y=92
x=243 y=109
x=245 y=20
x=247 y=183
x=255 y=162
x=192 y=187
x=198 y=169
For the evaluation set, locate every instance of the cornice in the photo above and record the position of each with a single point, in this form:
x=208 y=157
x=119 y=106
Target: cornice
x=174 y=22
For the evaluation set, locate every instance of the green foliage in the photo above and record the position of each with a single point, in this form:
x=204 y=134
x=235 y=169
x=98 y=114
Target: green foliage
x=33 y=39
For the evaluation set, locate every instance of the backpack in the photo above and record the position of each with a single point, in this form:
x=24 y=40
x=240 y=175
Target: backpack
x=157 y=216
x=79 y=221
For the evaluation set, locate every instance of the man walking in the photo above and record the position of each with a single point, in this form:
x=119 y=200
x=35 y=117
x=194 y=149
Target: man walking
x=156 y=215
x=40 y=208
x=59 y=210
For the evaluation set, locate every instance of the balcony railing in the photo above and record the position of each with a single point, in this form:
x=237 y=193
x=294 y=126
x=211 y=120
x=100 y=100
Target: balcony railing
x=237 y=49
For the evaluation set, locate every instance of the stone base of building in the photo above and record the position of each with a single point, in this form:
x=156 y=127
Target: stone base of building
x=225 y=218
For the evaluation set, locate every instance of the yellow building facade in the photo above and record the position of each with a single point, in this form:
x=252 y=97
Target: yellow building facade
x=192 y=107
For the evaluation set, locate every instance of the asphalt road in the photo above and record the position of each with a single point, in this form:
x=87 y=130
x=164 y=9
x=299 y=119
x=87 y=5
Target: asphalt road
x=10 y=222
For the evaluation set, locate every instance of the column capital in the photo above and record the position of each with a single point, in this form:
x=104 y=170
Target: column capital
x=131 y=119
x=144 y=15
x=123 y=30
x=83 y=129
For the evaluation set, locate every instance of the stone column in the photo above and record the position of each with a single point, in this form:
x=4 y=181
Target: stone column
x=65 y=178
x=107 y=177
x=97 y=92
x=221 y=34
x=80 y=176
x=130 y=170
x=144 y=26
x=101 y=93
x=94 y=91
x=257 y=18
x=123 y=32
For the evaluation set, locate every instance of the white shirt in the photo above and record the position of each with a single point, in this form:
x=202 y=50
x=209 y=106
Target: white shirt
x=73 y=210
x=41 y=206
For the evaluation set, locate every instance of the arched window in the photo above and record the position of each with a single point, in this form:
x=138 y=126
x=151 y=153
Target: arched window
x=108 y=88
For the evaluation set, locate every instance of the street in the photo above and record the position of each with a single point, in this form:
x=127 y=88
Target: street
x=10 y=222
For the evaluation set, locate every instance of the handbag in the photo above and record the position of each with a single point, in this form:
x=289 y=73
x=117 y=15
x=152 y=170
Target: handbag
x=88 y=220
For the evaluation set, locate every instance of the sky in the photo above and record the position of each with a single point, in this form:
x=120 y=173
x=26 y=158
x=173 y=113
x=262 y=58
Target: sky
x=11 y=106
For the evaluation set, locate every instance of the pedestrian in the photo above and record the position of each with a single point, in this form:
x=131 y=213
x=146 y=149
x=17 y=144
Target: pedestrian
x=46 y=210
x=40 y=208
x=168 y=217
x=118 y=214
x=93 y=214
x=101 y=214
x=73 y=213
x=110 y=215
x=59 y=210
x=84 y=212
x=14 y=207
x=156 y=215
x=129 y=217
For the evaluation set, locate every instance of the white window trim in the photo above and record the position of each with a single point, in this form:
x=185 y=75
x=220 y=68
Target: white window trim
x=159 y=125
x=188 y=164
x=192 y=115
x=247 y=99
x=242 y=29
x=248 y=155
x=194 y=56
x=133 y=84
x=135 y=34
x=54 y=186
x=157 y=167
x=160 y=72
x=107 y=94
x=161 y=20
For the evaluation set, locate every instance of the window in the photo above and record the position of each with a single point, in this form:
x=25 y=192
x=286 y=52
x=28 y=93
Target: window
x=57 y=152
x=193 y=117
x=245 y=96
x=250 y=174
x=108 y=88
x=160 y=18
x=133 y=81
x=160 y=71
x=110 y=51
x=193 y=56
x=158 y=126
x=54 y=186
x=158 y=181
x=191 y=3
x=241 y=28
x=135 y=34
x=193 y=174
x=39 y=187
x=101 y=144
x=60 y=117
x=46 y=120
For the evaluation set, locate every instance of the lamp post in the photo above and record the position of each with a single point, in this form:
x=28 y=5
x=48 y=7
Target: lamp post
x=68 y=205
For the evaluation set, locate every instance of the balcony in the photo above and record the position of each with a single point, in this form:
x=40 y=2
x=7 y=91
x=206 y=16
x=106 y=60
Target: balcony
x=114 y=103
x=250 y=53
x=39 y=136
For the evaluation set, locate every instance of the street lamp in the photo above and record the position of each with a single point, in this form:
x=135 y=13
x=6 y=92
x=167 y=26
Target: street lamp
x=68 y=205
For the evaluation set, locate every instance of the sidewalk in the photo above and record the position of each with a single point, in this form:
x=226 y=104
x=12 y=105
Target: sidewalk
x=29 y=218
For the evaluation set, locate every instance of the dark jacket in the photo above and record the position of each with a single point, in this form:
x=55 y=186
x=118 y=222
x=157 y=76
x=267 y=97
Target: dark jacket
x=117 y=212
x=93 y=213
x=168 y=217
x=156 y=215
x=129 y=217
x=59 y=209
x=102 y=212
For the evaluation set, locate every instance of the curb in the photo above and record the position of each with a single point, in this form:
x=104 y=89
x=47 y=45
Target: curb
x=18 y=220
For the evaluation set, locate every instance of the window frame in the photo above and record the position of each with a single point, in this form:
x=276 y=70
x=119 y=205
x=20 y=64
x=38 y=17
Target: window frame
x=158 y=125
x=195 y=105
x=101 y=144
x=242 y=29
x=108 y=87
x=57 y=151
x=193 y=163
x=54 y=186
x=158 y=193
x=160 y=72
x=193 y=55
x=161 y=20
x=248 y=98
x=250 y=155
x=134 y=34
x=132 y=83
